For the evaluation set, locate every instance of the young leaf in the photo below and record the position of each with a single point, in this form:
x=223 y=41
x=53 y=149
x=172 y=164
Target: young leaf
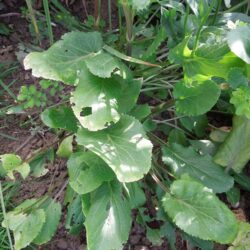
x=242 y=241
x=66 y=148
x=234 y=153
x=196 y=99
x=60 y=117
x=123 y=146
x=233 y=196
x=183 y=160
x=198 y=212
x=239 y=42
x=25 y=226
x=69 y=56
x=87 y=172
x=241 y=100
x=12 y=162
x=97 y=102
x=52 y=211
x=108 y=220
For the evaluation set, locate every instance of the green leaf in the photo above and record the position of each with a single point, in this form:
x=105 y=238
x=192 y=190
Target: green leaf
x=242 y=241
x=75 y=219
x=97 y=101
x=37 y=165
x=52 y=211
x=183 y=160
x=136 y=195
x=140 y=111
x=196 y=124
x=241 y=100
x=139 y=5
x=233 y=196
x=196 y=242
x=234 y=152
x=108 y=220
x=25 y=227
x=60 y=117
x=12 y=162
x=177 y=136
x=196 y=99
x=239 y=42
x=236 y=78
x=154 y=235
x=69 y=56
x=198 y=212
x=123 y=146
x=66 y=148
x=87 y=172
x=102 y=65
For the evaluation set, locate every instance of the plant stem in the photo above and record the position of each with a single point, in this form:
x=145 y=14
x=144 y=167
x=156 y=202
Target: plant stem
x=203 y=21
x=97 y=13
x=48 y=21
x=129 y=17
x=33 y=20
x=110 y=14
x=217 y=11
x=186 y=19
x=5 y=218
x=237 y=6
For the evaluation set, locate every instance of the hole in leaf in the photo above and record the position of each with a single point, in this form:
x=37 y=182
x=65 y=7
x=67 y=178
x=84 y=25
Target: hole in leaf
x=86 y=111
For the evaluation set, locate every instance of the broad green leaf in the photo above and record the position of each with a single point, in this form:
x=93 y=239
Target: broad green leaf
x=154 y=235
x=69 y=56
x=38 y=164
x=197 y=98
x=97 y=101
x=102 y=65
x=108 y=220
x=65 y=149
x=87 y=172
x=60 y=117
x=123 y=146
x=239 y=42
x=204 y=146
x=52 y=211
x=242 y=241
x=12 y=162
x=75 y=218
x=199 y=7
x=140 y=112
x=25 y=227
x=236 y=78
x=198 y=212
x=241 y=100
x=196 y=242
x=196 y=124
x=177 y=136
x=234 y=152
x=183 y=160
x=136 y=195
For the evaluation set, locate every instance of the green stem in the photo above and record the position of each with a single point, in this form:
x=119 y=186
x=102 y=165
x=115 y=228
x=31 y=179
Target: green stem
x=237 y=6
x=33 y=20
x=110 y=14
x=186 y=19
x=129 y=16
x=5 y=218
x=217 y=11
x=48 y=21
x=203 y=21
